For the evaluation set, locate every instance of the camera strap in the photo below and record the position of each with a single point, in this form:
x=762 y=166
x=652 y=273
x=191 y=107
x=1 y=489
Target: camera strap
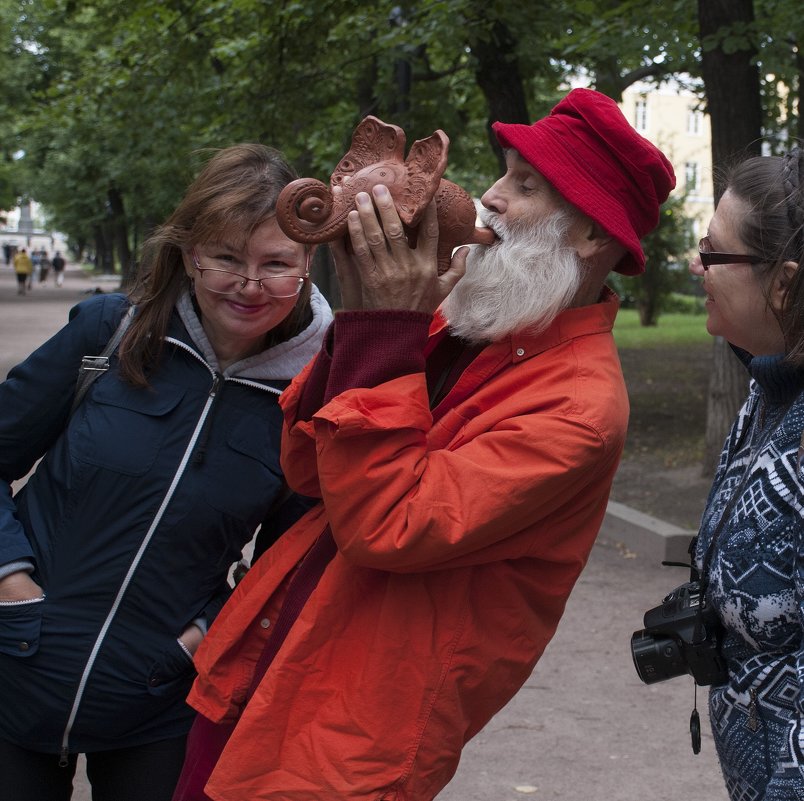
x=699 y=632
x=695 y=722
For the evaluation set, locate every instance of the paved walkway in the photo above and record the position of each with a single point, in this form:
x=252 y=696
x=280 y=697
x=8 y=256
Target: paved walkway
x=583 y=727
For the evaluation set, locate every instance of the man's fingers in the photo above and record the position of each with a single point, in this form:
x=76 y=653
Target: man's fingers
x=394 y=231
x=371 y=238
x=428 y=228
x=358 y=235
x=455 y=271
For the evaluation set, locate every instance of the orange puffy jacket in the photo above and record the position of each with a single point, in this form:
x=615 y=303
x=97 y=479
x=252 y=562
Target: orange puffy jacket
x=460 y=533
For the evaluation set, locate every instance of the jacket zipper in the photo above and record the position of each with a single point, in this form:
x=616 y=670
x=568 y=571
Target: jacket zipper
x=216 y=382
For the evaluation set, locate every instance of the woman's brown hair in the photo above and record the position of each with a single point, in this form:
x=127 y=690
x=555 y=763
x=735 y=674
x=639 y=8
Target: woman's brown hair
x=234 y=194
x=773 y=229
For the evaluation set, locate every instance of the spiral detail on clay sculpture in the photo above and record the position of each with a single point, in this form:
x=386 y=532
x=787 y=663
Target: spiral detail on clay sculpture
x=305 y=212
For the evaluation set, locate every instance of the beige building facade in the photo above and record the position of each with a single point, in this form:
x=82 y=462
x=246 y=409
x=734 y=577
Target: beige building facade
x=672 y=117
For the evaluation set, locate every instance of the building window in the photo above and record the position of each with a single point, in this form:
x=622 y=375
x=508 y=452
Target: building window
x=694 y=122
x=692 y=176
x=641 y=114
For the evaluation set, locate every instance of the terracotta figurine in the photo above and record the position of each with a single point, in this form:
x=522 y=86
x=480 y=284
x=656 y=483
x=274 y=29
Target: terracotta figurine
x=310 y=212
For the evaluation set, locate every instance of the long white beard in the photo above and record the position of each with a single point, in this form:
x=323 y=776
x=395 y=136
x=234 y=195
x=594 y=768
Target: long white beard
x=521 y=282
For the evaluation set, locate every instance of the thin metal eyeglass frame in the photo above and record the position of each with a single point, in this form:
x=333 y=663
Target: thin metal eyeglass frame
x=244 y=279
x=709 y=257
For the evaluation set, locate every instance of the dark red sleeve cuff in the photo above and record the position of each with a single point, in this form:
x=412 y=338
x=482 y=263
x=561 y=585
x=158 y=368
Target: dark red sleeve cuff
x=371 y=347
x=312 y=394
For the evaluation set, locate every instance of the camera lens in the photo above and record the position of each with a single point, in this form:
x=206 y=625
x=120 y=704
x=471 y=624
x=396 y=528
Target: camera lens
x=656 y=658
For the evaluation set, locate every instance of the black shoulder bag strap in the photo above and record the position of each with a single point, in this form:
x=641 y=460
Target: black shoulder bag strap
x=92 y=366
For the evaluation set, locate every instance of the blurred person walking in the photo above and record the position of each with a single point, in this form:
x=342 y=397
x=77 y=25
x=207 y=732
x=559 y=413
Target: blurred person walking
x=44 y=267
x=58 y=268
x=23 y=267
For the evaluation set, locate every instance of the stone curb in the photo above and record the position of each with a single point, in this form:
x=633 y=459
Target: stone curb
x=648 y=537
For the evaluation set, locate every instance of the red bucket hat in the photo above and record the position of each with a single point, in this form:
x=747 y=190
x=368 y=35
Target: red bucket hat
x=587 y=150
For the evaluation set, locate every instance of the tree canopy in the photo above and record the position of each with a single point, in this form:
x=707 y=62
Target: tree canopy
x=110 y=105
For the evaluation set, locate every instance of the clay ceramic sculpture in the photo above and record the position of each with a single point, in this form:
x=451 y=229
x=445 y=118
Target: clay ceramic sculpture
x=308 y=211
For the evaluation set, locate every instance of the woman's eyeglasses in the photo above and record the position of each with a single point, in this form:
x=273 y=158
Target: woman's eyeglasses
x=225 y=282
x=709 y=256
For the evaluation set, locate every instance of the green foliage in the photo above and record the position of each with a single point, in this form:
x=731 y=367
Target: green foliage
x=680 y=303
x=117 y=96
x=9 y=183
x=666 y=249
x=674 y=329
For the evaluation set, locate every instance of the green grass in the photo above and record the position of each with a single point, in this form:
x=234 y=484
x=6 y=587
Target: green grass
x=672 y=329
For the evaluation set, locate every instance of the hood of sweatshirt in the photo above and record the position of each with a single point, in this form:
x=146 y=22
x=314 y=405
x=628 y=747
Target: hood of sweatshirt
x=281 y=362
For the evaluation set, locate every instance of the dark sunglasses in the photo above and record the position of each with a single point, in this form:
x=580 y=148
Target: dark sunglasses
x=709 y=256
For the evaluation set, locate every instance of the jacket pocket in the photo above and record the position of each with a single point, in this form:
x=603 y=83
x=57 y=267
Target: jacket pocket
x=124 y=427
x=20 y=627
x=173 y=666
x=243 y=474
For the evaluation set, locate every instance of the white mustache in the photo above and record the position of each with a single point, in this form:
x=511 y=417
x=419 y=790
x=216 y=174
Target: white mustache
x=491 y=219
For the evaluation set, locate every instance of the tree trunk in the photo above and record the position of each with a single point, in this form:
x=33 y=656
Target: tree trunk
x=498 y=76
x=366 y=91
x=322 y=273
x=120 y=234
x=650 y=292
x=732 y=88
x=735 y=110
x=104 y=260
x=648 y=310
x=728 y=388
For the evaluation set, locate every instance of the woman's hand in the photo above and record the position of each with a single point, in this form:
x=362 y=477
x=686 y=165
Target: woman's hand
x=191 y=638
x=19 y=587
x=383 y=271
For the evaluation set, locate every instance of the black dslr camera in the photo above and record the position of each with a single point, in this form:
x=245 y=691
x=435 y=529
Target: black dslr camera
x=680 y=636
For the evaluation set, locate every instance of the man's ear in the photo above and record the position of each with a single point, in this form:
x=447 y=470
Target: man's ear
x=781 y=283
x=590 y=241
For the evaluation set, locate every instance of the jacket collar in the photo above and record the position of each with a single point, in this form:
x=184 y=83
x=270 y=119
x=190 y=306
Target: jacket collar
x=780 y=381
x=571 y=323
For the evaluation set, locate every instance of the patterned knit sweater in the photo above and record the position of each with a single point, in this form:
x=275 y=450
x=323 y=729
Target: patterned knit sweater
x=756 y=585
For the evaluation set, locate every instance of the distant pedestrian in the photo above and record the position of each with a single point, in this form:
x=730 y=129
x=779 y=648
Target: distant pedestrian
x=44 y=267
x=58 y=268
x=23 y=267
x=36 y=259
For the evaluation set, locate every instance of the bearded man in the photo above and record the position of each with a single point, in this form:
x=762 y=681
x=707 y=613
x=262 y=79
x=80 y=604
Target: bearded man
x=463 y=456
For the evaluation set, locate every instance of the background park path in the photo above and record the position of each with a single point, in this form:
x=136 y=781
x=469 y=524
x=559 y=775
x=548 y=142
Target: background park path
x=583 y=727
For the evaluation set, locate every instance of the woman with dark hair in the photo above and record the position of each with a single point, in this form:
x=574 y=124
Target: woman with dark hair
x=750 y=549
x=114 y=556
